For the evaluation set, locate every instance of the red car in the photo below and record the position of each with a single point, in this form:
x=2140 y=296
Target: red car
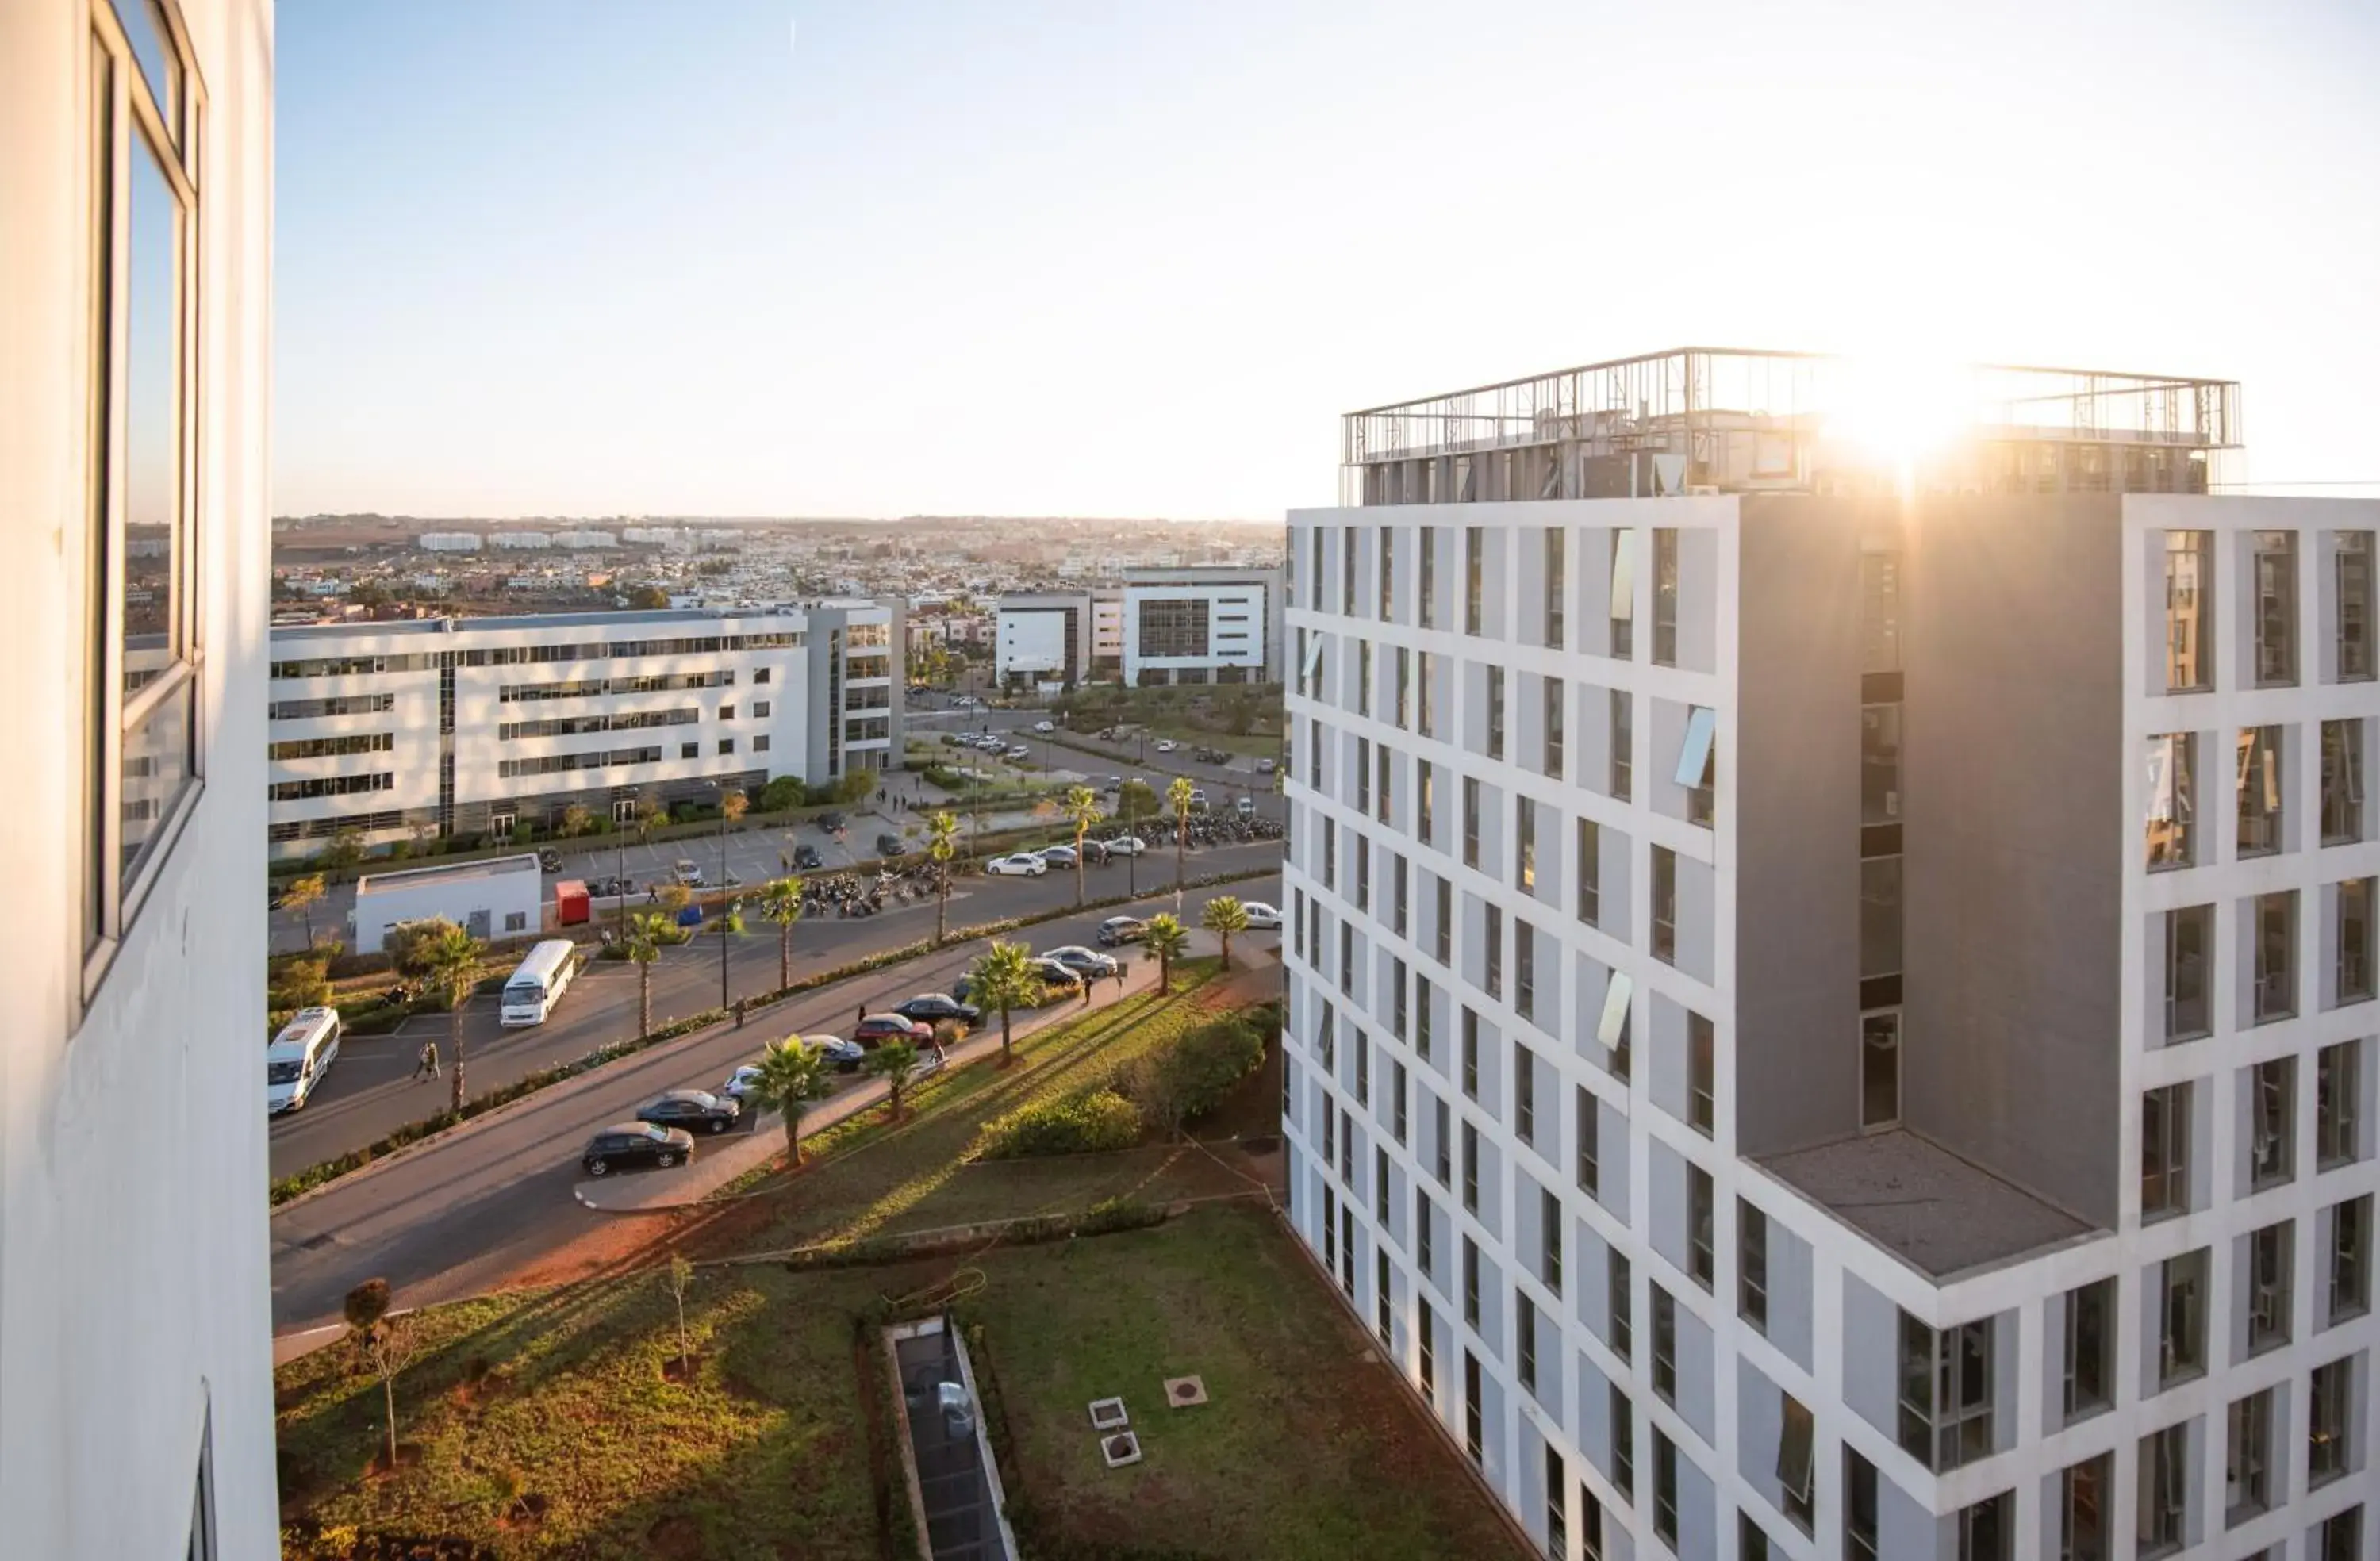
x=878 y=1028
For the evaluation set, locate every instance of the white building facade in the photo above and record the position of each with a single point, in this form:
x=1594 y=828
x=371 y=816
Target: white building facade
x=1790 y=1056
x=449 y=728
x=1201 y=626
x=136 y=1392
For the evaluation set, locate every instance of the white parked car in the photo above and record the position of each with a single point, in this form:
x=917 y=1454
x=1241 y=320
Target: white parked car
x=1264 y=767
x=1126 y=845
x=1020 y=752
x=1166 y=745
x=1045 y=726
x=1023 y=864
x=1261 y=915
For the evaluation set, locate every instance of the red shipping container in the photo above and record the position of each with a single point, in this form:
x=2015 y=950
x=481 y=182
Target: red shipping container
x=571 y=907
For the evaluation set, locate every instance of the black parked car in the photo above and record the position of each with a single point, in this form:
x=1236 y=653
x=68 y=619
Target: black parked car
x=636 y=1143
x=831 y=821
x=693 y=1109
x=890 y=845
x=806 y=859
x=933 y=1008
x=548 y=860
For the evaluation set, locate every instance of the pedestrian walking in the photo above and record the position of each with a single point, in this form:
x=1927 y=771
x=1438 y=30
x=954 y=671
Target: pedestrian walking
x=1086 y=991
x=1119 y=975
x=863 y=1013
x=426 y=1065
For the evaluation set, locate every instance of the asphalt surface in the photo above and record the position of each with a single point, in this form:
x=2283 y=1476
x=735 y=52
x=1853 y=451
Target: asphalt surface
x=756 y=855
x=459 y=1215
x=371 y=1090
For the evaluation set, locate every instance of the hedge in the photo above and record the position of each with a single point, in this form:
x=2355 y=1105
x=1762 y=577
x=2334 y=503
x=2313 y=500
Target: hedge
x=330 y=1170
x=1082 y=1124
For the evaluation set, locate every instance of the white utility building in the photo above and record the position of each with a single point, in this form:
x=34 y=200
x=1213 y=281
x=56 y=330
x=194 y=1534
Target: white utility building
x=1832 y=1014
x=491 y=899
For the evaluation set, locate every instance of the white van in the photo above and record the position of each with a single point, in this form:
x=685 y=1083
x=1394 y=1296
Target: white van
x=299 y=1056
x=533 y=989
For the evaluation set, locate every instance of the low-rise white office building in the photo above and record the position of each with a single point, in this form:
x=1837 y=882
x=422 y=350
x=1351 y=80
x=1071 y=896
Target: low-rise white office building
x=1833 y=1013
x=136 y=1388
x=445 y=728
x=1194 y=625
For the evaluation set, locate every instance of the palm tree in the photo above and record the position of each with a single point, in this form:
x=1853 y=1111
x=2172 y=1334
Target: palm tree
x=1082 y=807
x=302 y=895
x=892 y=1063
x=781 y=902
x=792 y=1075
x=1178 y=794
x=1166 y=938
x=450 y=959
x=942 y=844
x=1223 y=916
x=1003 y=977
x=648 y=930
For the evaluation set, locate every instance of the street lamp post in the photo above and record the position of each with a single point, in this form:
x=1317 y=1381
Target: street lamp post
x=721 y=787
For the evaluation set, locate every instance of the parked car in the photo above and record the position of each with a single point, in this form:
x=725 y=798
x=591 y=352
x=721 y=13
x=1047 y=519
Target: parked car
x=1126 y=845
x=1058 y=855
x=1057 y=980
x=1023 y=864
x=693 y=1109
x=1020 y=752
x=831 y=821
x=841 y=1055
x=1166 y=745
x=1246 y=806
x=687 y=872
x=1122 y=929
x=548 y=860
x=890 y=844
x=1265 y=767
x=934 y=1007
x=1045 y=726
x=806 y=859
x=1082 y=961
x=1197 y=796
x=1261 y=916
x=623 y=1144
x=1096 y=853
x=878 y=1028
x=1213 y=755
x=952 y=739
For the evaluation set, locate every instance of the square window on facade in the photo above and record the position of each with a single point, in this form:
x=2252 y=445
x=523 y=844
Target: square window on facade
x=2171 y=835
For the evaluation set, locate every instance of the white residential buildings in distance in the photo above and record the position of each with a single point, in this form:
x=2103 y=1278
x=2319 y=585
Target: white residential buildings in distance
x=445 y=728
x=1832 y=1003
x=1161 y=626
x=136 y=1390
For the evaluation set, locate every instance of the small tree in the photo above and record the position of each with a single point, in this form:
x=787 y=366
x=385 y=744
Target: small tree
x=674 y=898
x=647 y=933
x=302 y=895
x=781 y=902
x=1083 y=810
x=1003 y=977
x=1166 y=938
x=793 y=1074
x=388 y=1348
x=347 y=849
x=1178 y=794
x=733 y=805
x=451 y=961
x=680 y=1279
x=942 y=844
x=576 y=820
x=1135 y=802
x=1223 y=916
x=892 y=1062
x=366 y=1305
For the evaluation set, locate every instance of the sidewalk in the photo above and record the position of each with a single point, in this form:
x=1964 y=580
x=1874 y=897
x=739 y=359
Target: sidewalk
x=720 y=1161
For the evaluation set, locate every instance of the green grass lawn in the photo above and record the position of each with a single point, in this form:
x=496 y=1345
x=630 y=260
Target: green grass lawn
x=869 y=1177
x=779 y=1445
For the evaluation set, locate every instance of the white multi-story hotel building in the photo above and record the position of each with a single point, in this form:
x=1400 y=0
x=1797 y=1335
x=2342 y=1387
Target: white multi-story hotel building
x=1830 y=1023
x=135 y=182
x=463 y=727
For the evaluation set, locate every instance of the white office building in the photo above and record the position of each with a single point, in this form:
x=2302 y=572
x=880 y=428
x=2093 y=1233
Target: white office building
x=445 y=727
x=1832 y=1006
x=448 y=541
x=136 y=1390
x=1195 y=626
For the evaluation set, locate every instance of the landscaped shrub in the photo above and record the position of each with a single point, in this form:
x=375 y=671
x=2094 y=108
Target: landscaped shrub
x=1080 y=1124
x=1189 y=1077
x=301 y=984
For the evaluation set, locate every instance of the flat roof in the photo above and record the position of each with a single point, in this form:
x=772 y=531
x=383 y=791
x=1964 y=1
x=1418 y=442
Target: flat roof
x=628 y=618
x=1940 y=1214
x=450 y=872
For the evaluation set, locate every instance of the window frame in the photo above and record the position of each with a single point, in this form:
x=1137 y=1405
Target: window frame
x=127 y=115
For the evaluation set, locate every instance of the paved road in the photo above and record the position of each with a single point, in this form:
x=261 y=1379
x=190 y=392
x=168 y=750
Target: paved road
x=458 y=1216
x=371 y=1091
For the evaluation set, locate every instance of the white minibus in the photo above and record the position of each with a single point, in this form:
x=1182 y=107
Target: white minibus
x=298 y=1057
x=532 y=991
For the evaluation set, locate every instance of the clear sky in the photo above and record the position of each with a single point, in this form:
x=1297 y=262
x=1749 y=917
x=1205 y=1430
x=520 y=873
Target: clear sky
x=725 y=257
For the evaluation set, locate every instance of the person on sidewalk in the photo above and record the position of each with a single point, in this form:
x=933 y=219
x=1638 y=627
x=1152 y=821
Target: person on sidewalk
x=426 y=1065
x=1119 y=971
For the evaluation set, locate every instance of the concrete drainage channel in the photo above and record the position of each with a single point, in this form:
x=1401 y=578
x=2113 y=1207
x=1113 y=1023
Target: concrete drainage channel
x=955 y=1492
